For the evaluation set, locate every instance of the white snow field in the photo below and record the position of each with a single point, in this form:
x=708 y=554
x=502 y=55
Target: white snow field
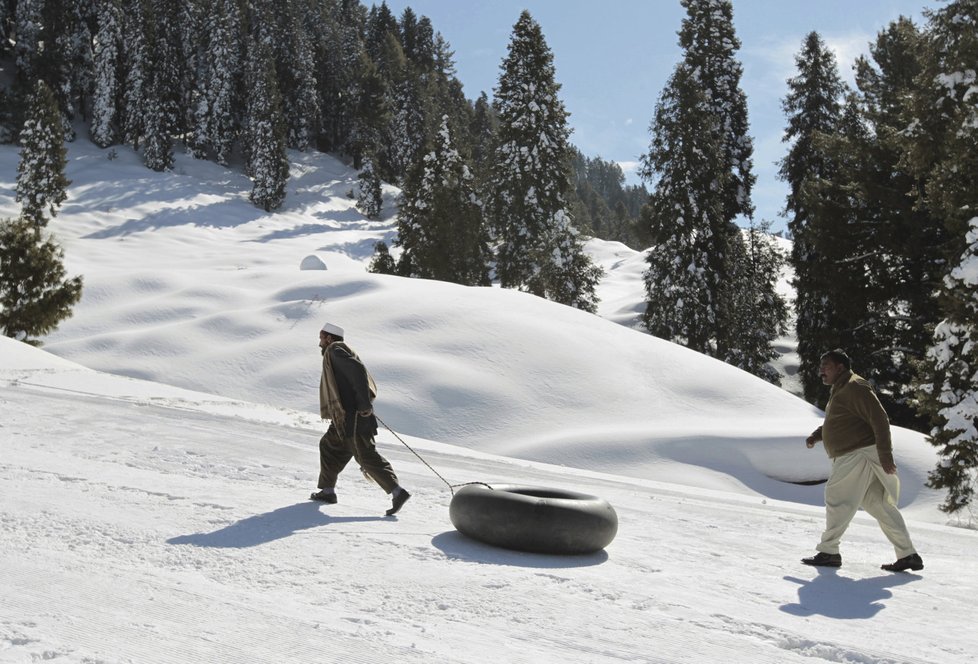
x=154 y=496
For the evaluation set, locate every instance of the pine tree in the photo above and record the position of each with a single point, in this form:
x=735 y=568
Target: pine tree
x=370 y=199
x=539 y=250
x=108 y=59
x=757 y=310
x=897 y=241
x=34 y=294
x=371 y=116
x=814 y=109
x=136 y=64
x=222 y=72
x=700 y=164
x=268 y=164
x=943 y=147
x=440 y=222
x=683 y=209
x=41 y=182
x=382 y=262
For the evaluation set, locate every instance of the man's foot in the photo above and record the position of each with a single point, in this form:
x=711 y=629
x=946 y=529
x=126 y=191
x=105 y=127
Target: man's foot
x=400 y=498
x=912 y=562
x=324 y=497
x=822 y=559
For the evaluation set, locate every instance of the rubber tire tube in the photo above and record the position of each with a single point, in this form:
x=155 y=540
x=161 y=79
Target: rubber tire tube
x=536 y=519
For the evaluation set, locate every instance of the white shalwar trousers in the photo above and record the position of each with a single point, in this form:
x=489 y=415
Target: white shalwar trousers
x=858 y=480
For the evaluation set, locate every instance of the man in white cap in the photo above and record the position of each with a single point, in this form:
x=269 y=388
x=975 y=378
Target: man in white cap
x=346 y=393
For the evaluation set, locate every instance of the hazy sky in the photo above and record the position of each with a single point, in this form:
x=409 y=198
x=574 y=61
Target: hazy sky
x=614 y=57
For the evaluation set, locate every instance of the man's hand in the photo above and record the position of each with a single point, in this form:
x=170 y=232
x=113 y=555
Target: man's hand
x=810 y=442
x=889 y=467
x=365 y=413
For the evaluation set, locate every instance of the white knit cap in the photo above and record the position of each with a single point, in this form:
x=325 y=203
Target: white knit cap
x=335 y=330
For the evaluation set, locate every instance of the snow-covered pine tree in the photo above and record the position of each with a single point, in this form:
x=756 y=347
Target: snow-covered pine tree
x=370 y=199
x=108 y=61
x=897 y=242
x=41 y=182
x=440 y=222
x=758 y=311
x=382 y=262
x=710 y=45
x=157 y=144
x=28 y=26
x=483 y=132
x=136 y=66
x=34 y=294
x=268 y=164
x=371 y=116
x=813 y=107
x=943 y=146
x=217 y=121
x=683 y=209
x=538 y=247
x=302 y=111
x=951 y=398
x=343 y=63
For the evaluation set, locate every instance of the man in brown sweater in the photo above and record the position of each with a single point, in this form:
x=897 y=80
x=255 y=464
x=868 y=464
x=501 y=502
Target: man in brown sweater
x=856 y=436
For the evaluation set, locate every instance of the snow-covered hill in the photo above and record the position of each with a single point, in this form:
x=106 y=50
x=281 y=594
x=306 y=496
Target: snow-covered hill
x=188 y=284
x=143 y=523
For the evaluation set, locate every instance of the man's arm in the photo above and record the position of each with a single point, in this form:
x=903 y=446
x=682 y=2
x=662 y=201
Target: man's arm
x=814 y=438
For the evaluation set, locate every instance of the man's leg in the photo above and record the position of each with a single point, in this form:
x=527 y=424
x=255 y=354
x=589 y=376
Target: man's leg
x=373 y=464
x=334 y=454
x=877 y=504
x=844 y=492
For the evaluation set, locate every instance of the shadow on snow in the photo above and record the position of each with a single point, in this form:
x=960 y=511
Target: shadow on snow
x=835 y=596
x=264 y=528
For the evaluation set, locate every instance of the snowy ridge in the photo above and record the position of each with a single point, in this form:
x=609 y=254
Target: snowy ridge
x=139 y=526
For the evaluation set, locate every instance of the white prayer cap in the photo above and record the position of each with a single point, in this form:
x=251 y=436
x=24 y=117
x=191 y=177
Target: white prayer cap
x=334 y=330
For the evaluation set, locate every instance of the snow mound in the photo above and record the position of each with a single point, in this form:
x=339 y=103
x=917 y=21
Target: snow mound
x=312 y=262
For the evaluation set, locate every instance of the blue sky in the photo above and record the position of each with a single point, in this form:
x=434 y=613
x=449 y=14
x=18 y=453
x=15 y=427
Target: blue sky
x=613 y=58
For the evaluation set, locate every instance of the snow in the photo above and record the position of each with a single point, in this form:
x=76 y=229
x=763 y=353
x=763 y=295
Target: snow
x=156 y=457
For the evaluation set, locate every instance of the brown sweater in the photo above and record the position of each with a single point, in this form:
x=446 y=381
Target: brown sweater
x=854 y=418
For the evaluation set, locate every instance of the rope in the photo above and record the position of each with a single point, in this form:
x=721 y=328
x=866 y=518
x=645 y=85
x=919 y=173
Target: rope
x=451 y=487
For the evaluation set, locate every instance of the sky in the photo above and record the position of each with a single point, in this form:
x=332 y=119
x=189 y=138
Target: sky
x=156 y=458
x=613 y=58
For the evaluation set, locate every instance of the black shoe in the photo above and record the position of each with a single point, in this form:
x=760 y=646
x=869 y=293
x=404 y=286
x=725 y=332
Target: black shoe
x=912 y=562
x=822 y=559
x=399 y=499
x=324 y=497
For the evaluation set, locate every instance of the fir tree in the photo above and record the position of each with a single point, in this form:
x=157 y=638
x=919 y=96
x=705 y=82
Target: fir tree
x=108 y=59
x=268 y=164
x=757 y=310
x=41 y=182
x=700 y=164
x=897 y=241
x=382 y=262
x=684 y=208
x=440 y=222
x=134 y=54
x=539 y=250
x=222 y=74
x=34 y=294
x=814 y=110
x=943 y=148
x=370 y=199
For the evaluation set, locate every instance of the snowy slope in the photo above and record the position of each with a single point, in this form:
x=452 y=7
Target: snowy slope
x=188 y=284
x=142 y=523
